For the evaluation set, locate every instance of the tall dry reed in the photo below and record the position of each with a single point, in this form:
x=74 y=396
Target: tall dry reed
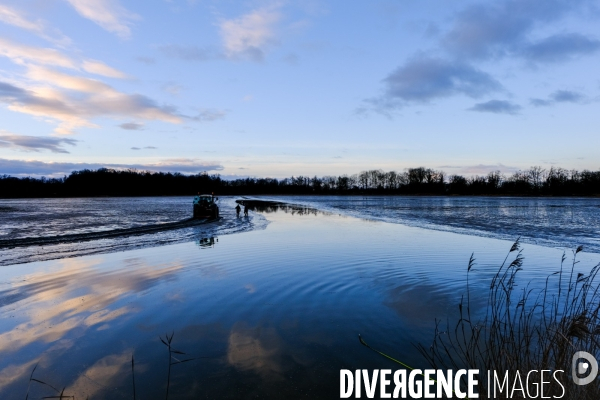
x=525 y=328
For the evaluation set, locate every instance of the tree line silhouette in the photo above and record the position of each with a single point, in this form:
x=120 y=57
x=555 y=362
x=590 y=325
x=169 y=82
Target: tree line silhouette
x=535 y=181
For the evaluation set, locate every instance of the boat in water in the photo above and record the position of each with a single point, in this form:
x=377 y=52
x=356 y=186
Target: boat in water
x=205 y=206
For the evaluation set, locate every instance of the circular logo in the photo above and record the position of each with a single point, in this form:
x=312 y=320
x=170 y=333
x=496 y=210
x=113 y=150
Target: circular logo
x=589 y=367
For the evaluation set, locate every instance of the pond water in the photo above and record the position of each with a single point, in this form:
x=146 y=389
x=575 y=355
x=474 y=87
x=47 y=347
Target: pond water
x=268 y=306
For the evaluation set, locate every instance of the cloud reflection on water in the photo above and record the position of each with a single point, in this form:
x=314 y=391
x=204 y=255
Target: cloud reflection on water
x=255 y=348
x=81 y=294
x=102 y=375
x=15 y=372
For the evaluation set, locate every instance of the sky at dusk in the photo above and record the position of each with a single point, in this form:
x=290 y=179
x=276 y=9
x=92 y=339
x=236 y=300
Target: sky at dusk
x=282 y=88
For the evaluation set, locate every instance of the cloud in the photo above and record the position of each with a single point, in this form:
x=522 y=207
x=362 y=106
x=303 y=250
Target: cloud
x=108 y=14
x=247 y=37
x=515 y=29
x=188 y=53
x=70 y=82
x=480 y=168
x=73 y=101
x=481 y=31
x=561 y=47
x=43 y=104
x=14 y=17
x=144 y=148
x=99 y=68
x=8 y=91
x=132 y=126
x=35 y=143
x=424 y=78
x=209 y=115
x=560 y=96
x=250 y=35
x=24 y=55
x=40 y=168
x=497 y=107
x=20 y=54
x=567 y=96
x=497 y=29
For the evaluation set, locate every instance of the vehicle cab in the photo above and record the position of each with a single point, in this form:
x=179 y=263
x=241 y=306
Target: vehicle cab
x=205 y=206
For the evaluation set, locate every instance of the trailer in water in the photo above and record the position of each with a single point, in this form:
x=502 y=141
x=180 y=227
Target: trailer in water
x=205 y=206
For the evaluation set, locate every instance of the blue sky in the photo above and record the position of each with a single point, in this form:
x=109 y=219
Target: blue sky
x=281 y=88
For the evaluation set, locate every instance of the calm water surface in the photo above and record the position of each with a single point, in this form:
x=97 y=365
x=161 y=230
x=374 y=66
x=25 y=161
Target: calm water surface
x=272 y=311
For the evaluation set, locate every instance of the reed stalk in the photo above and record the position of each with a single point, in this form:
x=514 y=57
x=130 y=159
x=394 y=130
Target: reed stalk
x=525 y=329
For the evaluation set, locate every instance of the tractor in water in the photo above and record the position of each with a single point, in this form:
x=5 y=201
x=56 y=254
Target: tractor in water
x=205 y=206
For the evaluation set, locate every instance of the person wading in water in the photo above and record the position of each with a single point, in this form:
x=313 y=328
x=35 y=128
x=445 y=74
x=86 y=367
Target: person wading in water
x=245 y=210
x=237 y=210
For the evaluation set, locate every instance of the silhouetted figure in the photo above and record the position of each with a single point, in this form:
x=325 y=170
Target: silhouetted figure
x=245 y=210
x=237 y=210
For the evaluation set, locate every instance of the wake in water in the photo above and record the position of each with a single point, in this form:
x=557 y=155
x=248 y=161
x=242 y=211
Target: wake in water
x=120 y=224
x=114 y=233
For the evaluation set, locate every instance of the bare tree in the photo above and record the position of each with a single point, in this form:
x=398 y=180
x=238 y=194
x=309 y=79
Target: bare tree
x=536 y=176
x=391 y=180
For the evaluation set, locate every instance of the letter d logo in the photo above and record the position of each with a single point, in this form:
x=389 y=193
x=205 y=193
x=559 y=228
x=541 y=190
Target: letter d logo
x=584 y=367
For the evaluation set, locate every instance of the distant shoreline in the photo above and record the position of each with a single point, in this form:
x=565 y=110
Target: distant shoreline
x=534 y=182
x=357 y=194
